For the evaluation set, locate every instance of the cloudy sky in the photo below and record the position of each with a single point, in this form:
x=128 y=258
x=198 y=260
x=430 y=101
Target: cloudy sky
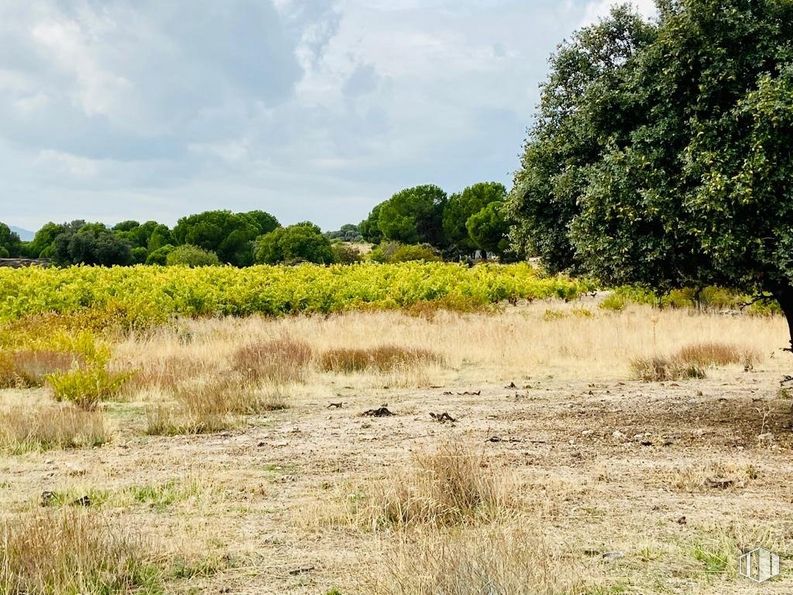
x=309 y=109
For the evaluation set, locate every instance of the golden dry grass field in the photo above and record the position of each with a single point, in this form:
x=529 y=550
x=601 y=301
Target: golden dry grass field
x=238 y=459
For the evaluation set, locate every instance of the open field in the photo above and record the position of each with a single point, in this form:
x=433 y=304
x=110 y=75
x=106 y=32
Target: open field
x=236 y=458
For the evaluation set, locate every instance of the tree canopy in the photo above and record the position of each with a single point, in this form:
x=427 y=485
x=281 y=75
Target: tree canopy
x=414 y=215
x=661 y=151
x=302 y=242
x=229 y=235
x=488 y=229
x=10 y=244
x=462 y=206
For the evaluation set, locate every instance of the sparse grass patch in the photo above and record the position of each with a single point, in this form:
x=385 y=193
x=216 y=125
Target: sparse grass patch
x=205 y=406
x=496 y=560
x=660 y=369
x=29 y=368
x=189 y=569
x=717 y=354
x=280 y=361
x=167 y=373
x=93 y=497
x=25 y=429
x=172 y=420
x=161 y=496
x=450 y=486
x=382 y=359
x=691 y=361
x=87 y=387
x=72 y=552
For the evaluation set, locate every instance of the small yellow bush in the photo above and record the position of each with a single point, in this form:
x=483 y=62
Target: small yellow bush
x=86 y=387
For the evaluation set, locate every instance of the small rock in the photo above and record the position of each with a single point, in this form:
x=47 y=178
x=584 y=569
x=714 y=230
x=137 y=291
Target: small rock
x=617 y=435
x=301 y=570
x=610 y=556
x=587 y=432
x=382 y=411
x=82 y=501
x=682 y=520
x=721 y=483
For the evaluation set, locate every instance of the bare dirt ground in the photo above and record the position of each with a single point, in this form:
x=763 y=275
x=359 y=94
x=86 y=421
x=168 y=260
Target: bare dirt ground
x=634 y=487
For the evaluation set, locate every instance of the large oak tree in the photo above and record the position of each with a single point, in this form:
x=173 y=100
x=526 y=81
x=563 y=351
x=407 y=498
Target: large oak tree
x=662 y=153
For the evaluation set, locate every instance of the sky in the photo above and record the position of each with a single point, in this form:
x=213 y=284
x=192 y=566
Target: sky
x=309 y=109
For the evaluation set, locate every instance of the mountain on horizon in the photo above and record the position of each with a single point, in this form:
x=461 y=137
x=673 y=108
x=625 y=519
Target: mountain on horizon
x=24 y=234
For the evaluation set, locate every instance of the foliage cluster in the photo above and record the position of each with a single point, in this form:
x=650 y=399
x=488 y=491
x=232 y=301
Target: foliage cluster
x=661 y=151
x=458 y=225
x=143 y=296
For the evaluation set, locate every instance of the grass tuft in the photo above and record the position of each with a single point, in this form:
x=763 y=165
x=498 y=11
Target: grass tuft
x=23 y=429
x=691 y=361
x=718 y=354
x=207 y=406
x=383 y=359
x=661 y=369
x=70 y=551
x=280 y=361
x=493 y=559
x=450 y=486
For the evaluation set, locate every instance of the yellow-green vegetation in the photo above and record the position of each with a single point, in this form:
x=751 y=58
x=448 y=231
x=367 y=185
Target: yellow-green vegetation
x=86 y=387
x=707 y=298
x=146 y=295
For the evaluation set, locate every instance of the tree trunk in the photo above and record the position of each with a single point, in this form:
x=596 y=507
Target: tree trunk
x=784 y=295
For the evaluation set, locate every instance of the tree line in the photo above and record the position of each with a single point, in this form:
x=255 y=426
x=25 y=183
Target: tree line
x=415 y=223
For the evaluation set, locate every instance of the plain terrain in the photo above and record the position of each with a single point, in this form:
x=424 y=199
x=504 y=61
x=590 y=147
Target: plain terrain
x=576 y=478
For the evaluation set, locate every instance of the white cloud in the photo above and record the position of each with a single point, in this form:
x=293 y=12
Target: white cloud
x=599 y=9
x=313 y=109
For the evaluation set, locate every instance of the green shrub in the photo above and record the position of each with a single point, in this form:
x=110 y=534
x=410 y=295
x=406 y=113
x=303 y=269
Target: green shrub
x=191 y=256
x=160 y=255
x=392 y=252
x=86 y=387
x=345 y=254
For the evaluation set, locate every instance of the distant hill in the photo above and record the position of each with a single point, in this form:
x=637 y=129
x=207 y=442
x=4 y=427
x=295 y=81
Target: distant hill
x=24 y=234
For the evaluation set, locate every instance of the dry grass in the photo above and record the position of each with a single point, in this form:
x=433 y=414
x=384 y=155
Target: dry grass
x=25 y=369
x=71 y=552
x=497 y=560
x=30 y=429
x=445 y=524
x=692 y=361
x=452 y=485
x=205 y=406
x=167 y=372
x=381 y=359
x=279 y=361
x=515 y=343
x=718 y=354
x=661 y=369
